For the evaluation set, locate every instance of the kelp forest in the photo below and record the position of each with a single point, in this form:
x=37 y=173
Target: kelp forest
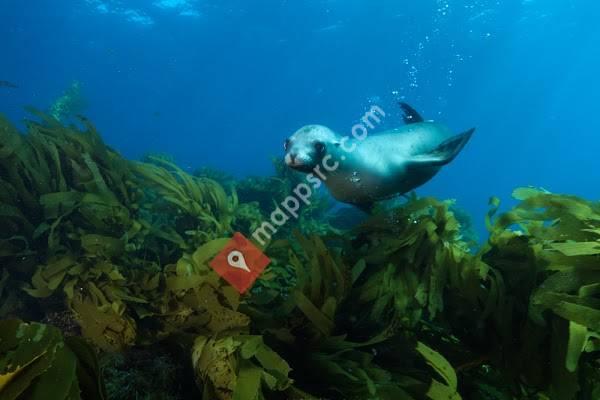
x=106 y=290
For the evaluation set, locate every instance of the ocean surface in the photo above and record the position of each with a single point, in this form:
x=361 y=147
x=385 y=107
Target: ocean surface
x=223 y=83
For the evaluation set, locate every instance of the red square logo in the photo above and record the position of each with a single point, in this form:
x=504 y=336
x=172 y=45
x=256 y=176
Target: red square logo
x=240 y=263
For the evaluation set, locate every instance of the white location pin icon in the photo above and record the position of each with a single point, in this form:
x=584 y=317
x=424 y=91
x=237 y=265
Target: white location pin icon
x=236 y=259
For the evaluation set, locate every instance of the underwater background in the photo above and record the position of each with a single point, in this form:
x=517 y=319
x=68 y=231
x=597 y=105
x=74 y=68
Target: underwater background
x=137 y=135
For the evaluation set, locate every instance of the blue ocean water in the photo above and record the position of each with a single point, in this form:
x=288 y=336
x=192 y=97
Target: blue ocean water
x=223 y=83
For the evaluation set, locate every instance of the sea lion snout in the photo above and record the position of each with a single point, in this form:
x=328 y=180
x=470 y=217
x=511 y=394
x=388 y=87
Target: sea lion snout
x=296 y=155
x=292 y=160
x=307 y=146
x=301 y=161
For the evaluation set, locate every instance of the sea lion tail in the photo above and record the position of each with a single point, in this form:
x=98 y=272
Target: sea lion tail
x=445 y=152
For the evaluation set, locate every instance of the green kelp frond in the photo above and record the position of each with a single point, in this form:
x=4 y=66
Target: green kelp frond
x=56 y=176
x=253 y=205
x=203 y=209
x=319 y=313
x=547 y=247
x=36 y=362
x=248 y=217
x=101 y=298
x=197 y=300
x=413 y=254
x=361 y=371
x=268 y=193
x=228 y=363
x=323 y=283
x=305 y=287
x=238 y=368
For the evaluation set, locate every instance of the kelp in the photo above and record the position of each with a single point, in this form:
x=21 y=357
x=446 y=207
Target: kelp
x=203 y=208
x=547 y=246
x=196 y=300
x=37 y=362
x=81 y=209
x=419 y=251
x=61 y=179
x=413 y=276
x=238 y=368
x=228 y=362
x=99 y=295
x=399 y=305
x=266 y=194
x=341 y=362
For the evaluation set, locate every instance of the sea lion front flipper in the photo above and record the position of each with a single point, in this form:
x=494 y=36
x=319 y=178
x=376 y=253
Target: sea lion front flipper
x=445 y=152
x=411 y=116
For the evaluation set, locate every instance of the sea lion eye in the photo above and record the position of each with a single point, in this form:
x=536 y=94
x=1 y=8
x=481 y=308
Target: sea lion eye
x=286 y=144
x=319 y=146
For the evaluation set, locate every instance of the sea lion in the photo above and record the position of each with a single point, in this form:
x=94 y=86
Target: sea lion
x=378 y=167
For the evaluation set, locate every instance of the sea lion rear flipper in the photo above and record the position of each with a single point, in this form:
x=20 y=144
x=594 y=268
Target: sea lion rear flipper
x=411 y=116
x=445 y=152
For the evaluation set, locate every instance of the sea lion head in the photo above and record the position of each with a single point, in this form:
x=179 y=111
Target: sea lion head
x=305 y=149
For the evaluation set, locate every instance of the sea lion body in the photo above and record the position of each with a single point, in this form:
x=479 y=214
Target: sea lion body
x=379 y=166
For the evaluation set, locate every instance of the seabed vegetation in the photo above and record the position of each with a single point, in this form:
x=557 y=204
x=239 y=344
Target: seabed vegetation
x=106 y=292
